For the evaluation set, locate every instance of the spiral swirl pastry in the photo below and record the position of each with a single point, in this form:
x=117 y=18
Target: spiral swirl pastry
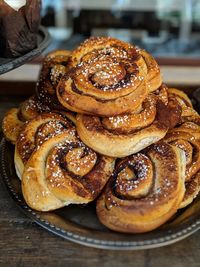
x=141 y=118
x=15 y=117
x=145 y=190
x=12 y=125
x=152 y=70
x=188 y=112
x=92 y=47
x=31 y=108
x=108 y=77
x=55 y=65
x=187 y=138
x=123 y=135
x=64 y=171
x=37 y=131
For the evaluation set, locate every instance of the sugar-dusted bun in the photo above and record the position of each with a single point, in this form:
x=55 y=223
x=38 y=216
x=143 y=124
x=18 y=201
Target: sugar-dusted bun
x=124 y=135
x=95 y=48
x=108 y=78
x=145 y=190
x=61 y=170
x=55 y=65
x=187 y=138
x=31 y=107
x=37 y=131
x=14 y=119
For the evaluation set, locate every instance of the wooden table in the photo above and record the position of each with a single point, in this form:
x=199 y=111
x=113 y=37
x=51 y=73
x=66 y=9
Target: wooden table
x=23 y=243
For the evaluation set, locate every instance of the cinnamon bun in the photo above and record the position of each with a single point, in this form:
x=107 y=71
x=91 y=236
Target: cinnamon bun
x=120 y=136
x=15 y=117
x=145 y=190
x=187 y=138
x=64 y=171
x=188 y=112
x=108 y=77
x=154 y=78
x=11 y=125
x=97 y=47
x=35 y=132
x=55 y=65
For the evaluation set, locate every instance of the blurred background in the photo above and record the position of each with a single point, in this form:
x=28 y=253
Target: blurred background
x=166 y=28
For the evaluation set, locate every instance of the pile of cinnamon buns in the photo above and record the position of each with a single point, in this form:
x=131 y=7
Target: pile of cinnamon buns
x=104 y=127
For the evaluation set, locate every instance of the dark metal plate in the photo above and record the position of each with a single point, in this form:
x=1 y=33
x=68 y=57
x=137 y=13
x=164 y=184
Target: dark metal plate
x=80 y=224
x=8 y=64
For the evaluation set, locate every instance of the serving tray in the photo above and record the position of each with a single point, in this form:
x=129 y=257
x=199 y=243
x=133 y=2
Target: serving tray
x=8 y=64
x=80 y=224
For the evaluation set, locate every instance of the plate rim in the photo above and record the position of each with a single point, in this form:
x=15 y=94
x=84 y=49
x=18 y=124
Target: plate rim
x=19 y=61
x=84 y=240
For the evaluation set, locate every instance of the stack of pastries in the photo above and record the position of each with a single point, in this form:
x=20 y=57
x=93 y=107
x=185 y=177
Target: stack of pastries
x=104 y=127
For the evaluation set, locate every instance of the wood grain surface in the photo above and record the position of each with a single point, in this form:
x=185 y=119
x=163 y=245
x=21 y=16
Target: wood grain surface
x=23 y=243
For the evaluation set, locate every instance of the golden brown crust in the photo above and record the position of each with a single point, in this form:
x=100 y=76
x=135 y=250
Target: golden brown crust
x=111 y=46
x=145 y=61
x=154 y=79
x=15 y=117
x=131 y=123
x=188 y=112
x=89 y=105
x=12 y=125
x=121 y=136
x=187 y=138
x=35 y=132
x=64 y=171
x=181 y=96
x=123 y=108
x=55 y=64
x=108 y=77
x=168 y=115
x=145 y=190
x=192 y=190
x=31 y=107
